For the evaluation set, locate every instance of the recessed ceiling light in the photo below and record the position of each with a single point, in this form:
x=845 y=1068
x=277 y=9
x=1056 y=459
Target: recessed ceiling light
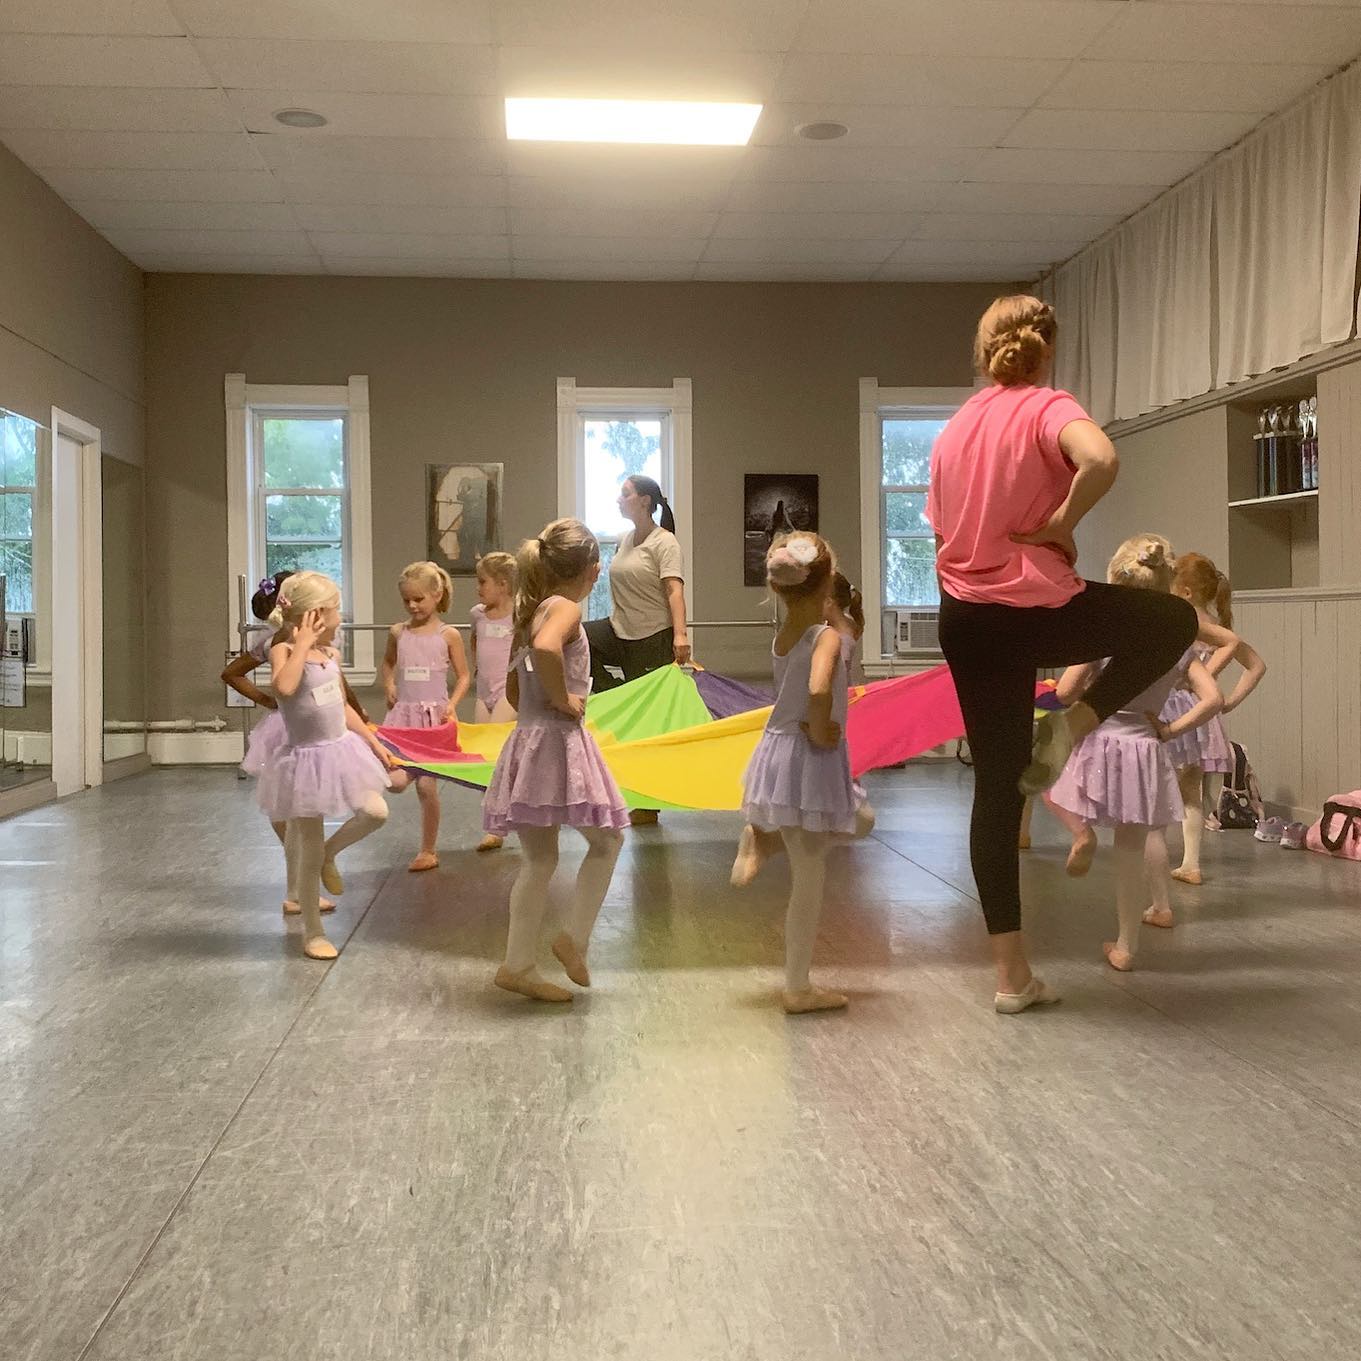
x=822 y=132
x=300 y=118
x=656 y=122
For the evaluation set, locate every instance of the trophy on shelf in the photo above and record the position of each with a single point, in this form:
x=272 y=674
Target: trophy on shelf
x=1272 y=446
x=1309 y=444
x=1259 y=443
x=1289 y=469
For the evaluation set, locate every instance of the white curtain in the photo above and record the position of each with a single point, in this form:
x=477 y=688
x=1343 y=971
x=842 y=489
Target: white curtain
x=1248 y=265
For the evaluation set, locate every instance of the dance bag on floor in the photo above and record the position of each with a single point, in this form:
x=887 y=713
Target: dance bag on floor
x=1338 y=831
x=1240 y=801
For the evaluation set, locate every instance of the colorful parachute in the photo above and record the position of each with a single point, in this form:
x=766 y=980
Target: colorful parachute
x=682 y=739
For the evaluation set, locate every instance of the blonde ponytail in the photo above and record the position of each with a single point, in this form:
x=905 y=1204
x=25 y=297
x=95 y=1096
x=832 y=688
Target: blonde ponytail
x=561 y=553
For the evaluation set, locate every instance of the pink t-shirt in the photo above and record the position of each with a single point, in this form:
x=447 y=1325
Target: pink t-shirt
x=997 y=470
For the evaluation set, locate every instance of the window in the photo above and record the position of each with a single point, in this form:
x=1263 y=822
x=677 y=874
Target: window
x=898 y=427
x=298 y=495
x=606 y=436
x=18 y=495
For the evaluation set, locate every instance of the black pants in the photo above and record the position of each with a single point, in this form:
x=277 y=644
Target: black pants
x=994 y=652
x=633 y=656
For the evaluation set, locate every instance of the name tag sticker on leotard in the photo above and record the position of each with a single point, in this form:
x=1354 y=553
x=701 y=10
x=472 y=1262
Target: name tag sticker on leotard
x=416 y=673
x=498 y=630
x=330 y=693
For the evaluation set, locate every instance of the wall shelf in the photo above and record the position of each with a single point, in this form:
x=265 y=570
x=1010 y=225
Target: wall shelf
x=1289 y=498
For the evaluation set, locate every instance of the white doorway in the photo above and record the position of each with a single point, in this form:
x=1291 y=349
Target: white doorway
x=77 y=606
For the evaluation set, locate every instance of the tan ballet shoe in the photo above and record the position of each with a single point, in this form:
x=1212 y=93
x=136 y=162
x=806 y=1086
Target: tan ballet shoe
x=753 y=850
x=426 y=860
x=330 y=878
x=1185 y=876
x=644 y=817
x=572 y=960
x=529 y=984
x=812 y=999
x=291 y=909
x=1081 y=856
x=490 y=843
x=318 y=947
x=1023 y=843
x=1118 y=959
x=1158 y=916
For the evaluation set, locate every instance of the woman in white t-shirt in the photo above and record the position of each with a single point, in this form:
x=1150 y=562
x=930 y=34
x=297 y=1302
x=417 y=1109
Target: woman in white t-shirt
x=646 y=628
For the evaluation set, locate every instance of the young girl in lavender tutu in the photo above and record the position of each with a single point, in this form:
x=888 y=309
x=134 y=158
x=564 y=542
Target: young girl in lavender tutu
x=550 y=773
x=798 y=788
x=268 y=734
x=1121 y=775
x=329 y=764
x=421 y=653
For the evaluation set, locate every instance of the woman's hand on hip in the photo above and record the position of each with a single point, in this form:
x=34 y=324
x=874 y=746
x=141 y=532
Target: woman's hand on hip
x=1055 y=533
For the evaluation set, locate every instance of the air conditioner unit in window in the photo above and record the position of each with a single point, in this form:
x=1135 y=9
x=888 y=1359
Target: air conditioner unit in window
x=917 y=631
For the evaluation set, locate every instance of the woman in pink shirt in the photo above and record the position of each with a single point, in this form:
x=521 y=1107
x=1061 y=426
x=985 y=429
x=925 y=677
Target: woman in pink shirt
x=1012 y=474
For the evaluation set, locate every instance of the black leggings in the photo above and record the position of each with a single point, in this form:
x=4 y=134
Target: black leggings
x=633 y=656
x=994 y=652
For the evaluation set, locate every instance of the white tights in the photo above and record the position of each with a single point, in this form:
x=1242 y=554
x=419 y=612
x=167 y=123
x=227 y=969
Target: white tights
x=1199 y=792
x=1142 y=878
x=529 y=894
x=307 y=849
x=807 y=875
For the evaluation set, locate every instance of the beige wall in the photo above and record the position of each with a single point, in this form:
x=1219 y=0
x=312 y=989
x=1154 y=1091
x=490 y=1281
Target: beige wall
x=71 y=316
x=466 y=369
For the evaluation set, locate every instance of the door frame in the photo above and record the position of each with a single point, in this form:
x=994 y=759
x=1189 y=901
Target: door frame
x=77 y=590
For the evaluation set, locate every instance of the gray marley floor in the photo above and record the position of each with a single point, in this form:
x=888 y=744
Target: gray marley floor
x=213 y=1148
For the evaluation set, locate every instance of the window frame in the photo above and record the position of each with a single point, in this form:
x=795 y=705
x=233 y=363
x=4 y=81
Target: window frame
x=38 y=671
x=877 y=404
x=673 y=405
x=247 y=405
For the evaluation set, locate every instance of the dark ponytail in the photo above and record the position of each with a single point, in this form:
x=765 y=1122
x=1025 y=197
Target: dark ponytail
x=849 y=601
x=262 y=603
x=645 y=486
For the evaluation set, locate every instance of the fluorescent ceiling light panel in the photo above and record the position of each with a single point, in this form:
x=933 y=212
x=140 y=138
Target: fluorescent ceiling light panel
x=654 y=122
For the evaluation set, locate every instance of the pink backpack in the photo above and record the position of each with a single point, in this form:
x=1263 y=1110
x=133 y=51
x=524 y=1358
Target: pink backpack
x=1338 y=831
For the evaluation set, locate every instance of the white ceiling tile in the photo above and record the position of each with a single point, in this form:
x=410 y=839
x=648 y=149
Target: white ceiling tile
x=372 y=115
x=1013 y=165
x=416 y=21
x=957 y=273
x=946 y=80
x=885 y=196
x=39 y=59
x=1193 y=86
x=655 y=223
x=640 y=164
x=411 y=245
x=1039 y=227
x=824 y=161
x=118 y=215
x=984 y=28
x=458 y=191
x=168 y=186
x=134 y=242
x=133 y=150
x=824 y=271
x=1085 y=199
x=652 y=27
x=1005 y=256
x=1128 y=130
x=451 y=267
x=605 y=192
x=726 y=250
x=389 y=155
x=885 y=125
x=772 y=227
x=92 y=108
x=437 y=219
x=1215 y=33
x=227 y=264
x=131 y=17
x=598 y=249
x=396 y=68
x=601 y=271
x=610 y=73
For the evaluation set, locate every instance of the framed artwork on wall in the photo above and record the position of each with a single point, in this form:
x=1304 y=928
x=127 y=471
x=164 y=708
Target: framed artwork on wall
x=463 y=514
x=772 y=504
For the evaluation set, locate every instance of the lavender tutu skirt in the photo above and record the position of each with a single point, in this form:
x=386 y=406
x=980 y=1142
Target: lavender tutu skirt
x=266 y=738
x=323 y=780
x=552 y=775
x=791 y=783
x=1120 y=774
x=1206 y=746
x=413 y=713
